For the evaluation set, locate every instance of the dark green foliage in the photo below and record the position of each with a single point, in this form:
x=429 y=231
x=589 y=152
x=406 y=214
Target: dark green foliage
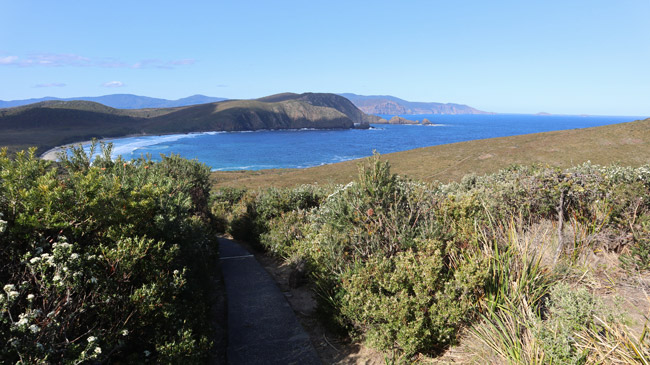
x=104 y=261
x=414 y=301
x=258 y=209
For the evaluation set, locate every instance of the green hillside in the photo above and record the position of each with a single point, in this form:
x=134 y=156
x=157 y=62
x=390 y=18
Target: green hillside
x=53 y=123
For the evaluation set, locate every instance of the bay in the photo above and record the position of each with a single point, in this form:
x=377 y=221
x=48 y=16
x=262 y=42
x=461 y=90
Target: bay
x=306 y=148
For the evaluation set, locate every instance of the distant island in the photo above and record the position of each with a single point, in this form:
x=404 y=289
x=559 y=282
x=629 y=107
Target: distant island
x=386 y=104
x=53 y=123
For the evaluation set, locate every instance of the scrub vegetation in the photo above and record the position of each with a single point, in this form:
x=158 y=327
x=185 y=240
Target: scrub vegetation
x=108 y=261
x=114 y=261
x=531 y=264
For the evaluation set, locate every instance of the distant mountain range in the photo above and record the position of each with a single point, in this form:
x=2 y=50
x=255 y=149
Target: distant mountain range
x=386 y=104
x=56 y=122
x=123 y=101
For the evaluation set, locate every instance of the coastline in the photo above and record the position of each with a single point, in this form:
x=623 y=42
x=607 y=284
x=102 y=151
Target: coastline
x=51 y=154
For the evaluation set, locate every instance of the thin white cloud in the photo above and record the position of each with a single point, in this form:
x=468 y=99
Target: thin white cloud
x=113 y=84
x=53 y=84
x=46 y=59
x=8 y=60
x=73 y=60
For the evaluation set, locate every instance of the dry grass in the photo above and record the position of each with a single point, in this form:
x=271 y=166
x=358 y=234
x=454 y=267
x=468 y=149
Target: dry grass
x=507 y=336
x=625 y=143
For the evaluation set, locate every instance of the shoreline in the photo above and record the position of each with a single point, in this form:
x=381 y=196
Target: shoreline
x=51 y=154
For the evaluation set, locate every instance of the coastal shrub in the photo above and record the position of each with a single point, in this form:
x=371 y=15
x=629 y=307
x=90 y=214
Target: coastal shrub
x=379 y=213
x=367 y=234
x=242 y=225
x=535 y=191
x=285 y=234
x=406 y=265
x=385 y=268
x=600 y=200
x=414 y=301
x=104 y=260
x=222 y=206
x=258 y=209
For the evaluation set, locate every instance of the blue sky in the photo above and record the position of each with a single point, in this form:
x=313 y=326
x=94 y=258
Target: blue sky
x=573 y=57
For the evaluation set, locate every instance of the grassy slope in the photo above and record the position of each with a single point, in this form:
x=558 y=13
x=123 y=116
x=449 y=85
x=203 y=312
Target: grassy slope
x=626 y=143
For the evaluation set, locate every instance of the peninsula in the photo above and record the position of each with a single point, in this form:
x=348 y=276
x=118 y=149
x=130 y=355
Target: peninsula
x=53 y=123
x=390 y=105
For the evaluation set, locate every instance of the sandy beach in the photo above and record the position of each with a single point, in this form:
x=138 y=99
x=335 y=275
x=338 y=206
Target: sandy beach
x=52 y=154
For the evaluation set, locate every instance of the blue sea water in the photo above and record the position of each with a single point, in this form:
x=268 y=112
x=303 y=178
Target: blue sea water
x=306 y=148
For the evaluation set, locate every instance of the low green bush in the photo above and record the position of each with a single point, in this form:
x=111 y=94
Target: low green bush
x=414 y=301
x=104 y=261
x=257 y=209
x=384 y=266
x=222 y=206
x=285 y=234
x=570 y=311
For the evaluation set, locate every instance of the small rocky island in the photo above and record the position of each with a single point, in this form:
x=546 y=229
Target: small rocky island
x=403 y=121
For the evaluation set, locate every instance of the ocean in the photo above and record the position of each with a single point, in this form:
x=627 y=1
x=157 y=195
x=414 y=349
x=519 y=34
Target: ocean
x=306 y=148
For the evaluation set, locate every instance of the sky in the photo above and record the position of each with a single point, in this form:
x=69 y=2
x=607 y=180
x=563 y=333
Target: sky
x=564 y=57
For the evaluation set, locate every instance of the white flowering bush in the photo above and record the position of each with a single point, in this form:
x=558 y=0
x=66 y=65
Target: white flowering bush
x=3 y=225
x=104 y=262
